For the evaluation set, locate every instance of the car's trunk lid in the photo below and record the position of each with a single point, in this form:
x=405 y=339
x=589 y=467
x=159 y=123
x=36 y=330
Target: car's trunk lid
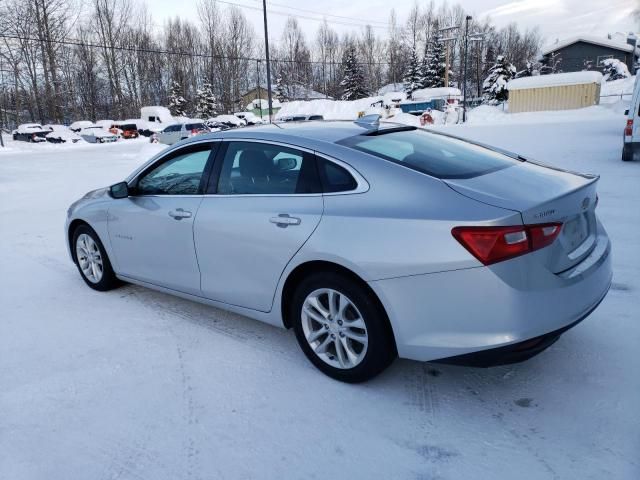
x=543 y=195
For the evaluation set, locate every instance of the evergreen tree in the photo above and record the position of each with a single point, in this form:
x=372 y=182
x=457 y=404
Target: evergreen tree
x=206 y=102
x=494 y=88
x=412 y=80
x=433 y=69
x=177 y=103
x=352 y=82
x=279 y=88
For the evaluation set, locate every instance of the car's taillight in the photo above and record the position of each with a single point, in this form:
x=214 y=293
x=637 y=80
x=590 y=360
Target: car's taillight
x=628 y=130
x=496 y=244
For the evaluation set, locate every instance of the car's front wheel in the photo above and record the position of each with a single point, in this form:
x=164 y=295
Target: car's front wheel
x=92 y=260
x=341 y=328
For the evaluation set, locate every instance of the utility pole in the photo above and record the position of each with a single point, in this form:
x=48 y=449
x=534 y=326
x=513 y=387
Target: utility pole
x=446 y=41
x=464 y=81
x=266 y=47
x=258 y=85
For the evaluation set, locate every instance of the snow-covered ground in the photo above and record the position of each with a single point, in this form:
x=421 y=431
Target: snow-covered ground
x=134 y=384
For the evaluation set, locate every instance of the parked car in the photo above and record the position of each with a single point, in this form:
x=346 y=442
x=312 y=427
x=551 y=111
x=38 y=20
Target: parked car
x=470 y=255
x=30 y=132
x=97 y=134
x=216 y=126
x=230 y=121
x=105 y=124
x=300 y=118
x=631 y=135
x=61 y=134
x=128 y=129
x=250 y=117
x=179 y=131
x=79 y=125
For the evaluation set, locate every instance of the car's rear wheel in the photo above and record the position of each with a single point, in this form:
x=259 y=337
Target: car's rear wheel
x=341 y=328
x=92 y=260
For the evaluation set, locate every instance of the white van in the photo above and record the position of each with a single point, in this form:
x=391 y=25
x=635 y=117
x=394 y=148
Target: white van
x=631 y=145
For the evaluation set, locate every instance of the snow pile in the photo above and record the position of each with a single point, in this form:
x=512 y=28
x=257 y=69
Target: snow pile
x=555 y=80
x=488 y=115
x=329 y=109
x=263 y=104
x=391 y=87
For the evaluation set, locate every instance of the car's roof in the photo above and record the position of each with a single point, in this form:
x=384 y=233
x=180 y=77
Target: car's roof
x=302 y=132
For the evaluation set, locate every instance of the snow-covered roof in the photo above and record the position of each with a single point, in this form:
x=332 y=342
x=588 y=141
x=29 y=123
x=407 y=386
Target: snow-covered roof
x=440 y=92
x=554 y=80
x=605 y=42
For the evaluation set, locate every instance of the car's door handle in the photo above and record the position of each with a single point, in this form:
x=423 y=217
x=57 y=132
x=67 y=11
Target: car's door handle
x=283 y=220
x=179 y=214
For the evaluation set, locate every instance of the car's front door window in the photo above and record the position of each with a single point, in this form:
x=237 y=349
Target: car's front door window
x=180 y=175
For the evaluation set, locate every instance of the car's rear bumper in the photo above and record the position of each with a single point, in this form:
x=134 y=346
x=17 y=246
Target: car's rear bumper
x=452 y=314
x=516 y=352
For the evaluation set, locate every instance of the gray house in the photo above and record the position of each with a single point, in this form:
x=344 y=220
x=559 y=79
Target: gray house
x=587 y=53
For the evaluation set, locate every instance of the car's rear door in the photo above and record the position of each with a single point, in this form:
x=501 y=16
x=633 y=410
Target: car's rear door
x=151 y=231
x=264 y=202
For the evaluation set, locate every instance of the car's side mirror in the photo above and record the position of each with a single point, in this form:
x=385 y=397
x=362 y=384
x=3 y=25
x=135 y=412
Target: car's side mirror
x=119 y=190
x=287 y=163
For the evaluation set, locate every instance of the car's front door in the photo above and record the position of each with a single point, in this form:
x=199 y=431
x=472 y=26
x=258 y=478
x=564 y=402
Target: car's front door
x=151 y=231
x=264 y=202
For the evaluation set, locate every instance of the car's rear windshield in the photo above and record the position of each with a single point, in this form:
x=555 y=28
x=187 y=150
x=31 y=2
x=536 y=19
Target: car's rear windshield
x=194 y=126
x=127 y=126
x=436 y=155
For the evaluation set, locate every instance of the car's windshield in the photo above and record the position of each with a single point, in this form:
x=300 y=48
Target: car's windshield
x=195 y=126
x=436 y=155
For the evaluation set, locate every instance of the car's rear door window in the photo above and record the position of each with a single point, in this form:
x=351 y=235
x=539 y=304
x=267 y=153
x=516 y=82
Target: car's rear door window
x=436 y=155
x=256 y=168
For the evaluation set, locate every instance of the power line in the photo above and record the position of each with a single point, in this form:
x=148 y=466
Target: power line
x=315 y=12
x=79 y=43
x=306 y=17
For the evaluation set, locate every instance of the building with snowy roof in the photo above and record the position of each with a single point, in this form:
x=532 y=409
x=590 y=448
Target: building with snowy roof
x=587 y=53
x=559 y=91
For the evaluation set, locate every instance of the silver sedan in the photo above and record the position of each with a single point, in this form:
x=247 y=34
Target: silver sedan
x=370 y=241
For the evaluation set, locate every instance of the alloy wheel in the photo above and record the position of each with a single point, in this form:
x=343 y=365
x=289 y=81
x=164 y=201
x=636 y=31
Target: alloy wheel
x=334 y=328
x=89 y=258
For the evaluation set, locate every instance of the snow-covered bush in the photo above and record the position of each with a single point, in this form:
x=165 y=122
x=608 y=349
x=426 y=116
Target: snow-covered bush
x=494 y=87
x=614 y=69
x=353 y=81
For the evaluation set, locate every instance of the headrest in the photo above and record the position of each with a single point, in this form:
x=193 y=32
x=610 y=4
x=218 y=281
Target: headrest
x=254 y=163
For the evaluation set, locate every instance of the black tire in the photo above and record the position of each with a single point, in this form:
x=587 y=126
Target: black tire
x=627 y=153
x=108 y=280
x=381 y=349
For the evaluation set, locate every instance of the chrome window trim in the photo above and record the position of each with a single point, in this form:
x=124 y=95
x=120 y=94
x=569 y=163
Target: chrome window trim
x=362 y=184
